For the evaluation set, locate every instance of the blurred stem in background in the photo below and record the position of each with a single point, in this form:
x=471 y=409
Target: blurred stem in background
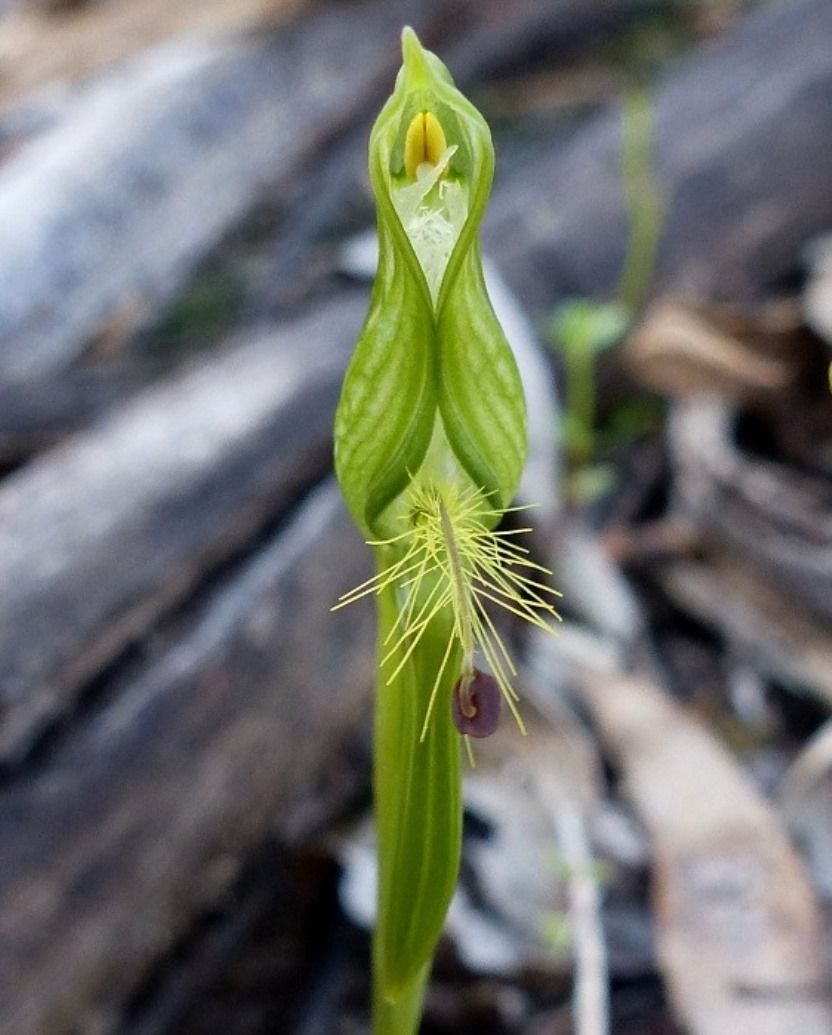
x=645 y=203
x=581 y=329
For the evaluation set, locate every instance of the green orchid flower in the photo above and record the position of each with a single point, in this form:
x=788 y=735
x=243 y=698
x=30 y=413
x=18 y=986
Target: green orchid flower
x=433 y=382
x=430 y=443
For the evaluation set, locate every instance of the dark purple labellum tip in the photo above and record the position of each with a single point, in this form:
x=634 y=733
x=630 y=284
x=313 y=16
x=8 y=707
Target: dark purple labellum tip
x=483 y=701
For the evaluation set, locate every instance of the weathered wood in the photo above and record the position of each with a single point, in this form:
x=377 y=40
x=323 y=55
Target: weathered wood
x=738 y=926
x=38 y=415
x=502 y=37
x=40 y=50
x=100 y=536
x=139 y=817
x=774 y=516
x=764 y=624
x=740 y=153
x=104 y=216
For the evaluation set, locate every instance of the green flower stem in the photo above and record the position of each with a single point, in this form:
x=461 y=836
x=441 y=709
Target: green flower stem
x=418 y=801
x=402 y=1016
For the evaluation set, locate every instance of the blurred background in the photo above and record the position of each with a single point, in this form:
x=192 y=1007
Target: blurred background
x=185 y=845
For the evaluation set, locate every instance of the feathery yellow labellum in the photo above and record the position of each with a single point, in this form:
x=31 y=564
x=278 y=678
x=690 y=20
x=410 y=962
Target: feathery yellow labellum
x=450 y=561
x=424 y=144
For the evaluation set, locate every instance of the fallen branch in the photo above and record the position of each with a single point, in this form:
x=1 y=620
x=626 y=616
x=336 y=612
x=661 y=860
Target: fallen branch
x=105 y=216
x=100 y=537
x=739 y=154
x=141 y=815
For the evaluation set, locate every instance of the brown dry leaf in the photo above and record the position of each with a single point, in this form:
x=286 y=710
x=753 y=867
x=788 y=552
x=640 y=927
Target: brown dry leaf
x=806 y=802
x=775 y=516
x=41 y=47
x=761 y=621
x=684 y=348
x=738 y=929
